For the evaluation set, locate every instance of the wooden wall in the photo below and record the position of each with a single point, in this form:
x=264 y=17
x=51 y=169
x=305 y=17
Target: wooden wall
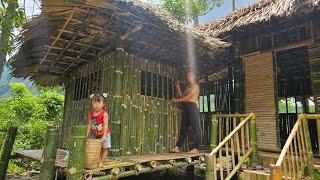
x=141 y=124
x=260 y=96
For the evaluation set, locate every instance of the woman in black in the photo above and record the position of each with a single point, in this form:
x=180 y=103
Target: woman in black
x=190 y=112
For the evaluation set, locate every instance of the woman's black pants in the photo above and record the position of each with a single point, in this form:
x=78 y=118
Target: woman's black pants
x=190 y=117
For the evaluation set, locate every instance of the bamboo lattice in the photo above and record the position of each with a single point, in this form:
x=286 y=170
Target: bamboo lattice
x=296 y=158
x=237 y=137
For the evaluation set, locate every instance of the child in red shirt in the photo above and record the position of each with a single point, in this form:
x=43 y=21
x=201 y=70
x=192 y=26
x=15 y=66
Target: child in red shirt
x=98 y=124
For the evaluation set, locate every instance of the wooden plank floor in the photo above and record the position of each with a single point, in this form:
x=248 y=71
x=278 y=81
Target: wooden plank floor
x=124 y=161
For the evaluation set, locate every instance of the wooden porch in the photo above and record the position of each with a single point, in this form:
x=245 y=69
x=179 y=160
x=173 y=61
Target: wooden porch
x=124 y=166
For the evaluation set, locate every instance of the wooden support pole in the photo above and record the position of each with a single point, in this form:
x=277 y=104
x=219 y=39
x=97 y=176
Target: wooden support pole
x=318 y=133
x=275 y=172
x=6 y=152
x=209 y=168
x=254 y=158
x=117 y=102
x=310 y=164
x=214 y=133
x=77 y=142
x=49 y=154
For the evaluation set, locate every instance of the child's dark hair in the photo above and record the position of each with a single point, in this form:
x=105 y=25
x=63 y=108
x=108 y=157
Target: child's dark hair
x=98 y=96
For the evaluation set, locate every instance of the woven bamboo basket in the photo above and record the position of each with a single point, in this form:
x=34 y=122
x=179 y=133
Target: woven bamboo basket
x=93 y=148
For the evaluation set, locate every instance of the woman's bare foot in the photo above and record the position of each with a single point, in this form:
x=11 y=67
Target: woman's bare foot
x=193 y=151
x=175 y=150
x=101 y=164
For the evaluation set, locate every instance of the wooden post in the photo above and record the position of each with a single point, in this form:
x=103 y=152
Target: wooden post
x=118 y=101
x=6 y=152
x=275 y=172
x=214 y=133
x=254 y=159
x=310 y=168
x=318 y=133
x=209 y=168
x=49 y=154
x=77 y=143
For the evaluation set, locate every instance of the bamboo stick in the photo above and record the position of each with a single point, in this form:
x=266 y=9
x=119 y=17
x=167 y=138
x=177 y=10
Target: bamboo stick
x=76 y=161
x=49 y=154
x=221 y=165
x=236 y=168
x=304 y=150
x=275 y=172
x=294 y=173
x=242 y=139
x=227 y=157
x=301 y=158
x=6 y=152
x=210 y=170
x=116 y=108
x=254 y=159
x=232 y=153
x=310 y=164
x=296 y=155
x=214 y=133
x=318 y=133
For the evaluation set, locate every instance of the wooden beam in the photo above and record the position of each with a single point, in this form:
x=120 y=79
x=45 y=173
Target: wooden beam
x=77 y=43
x=58 y=36
x=72 y=31
x=68 y=57
x=69 y=50
x=89 y=24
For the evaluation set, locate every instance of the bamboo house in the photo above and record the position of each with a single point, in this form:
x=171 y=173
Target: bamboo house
x=259 y=66
x=132 y=51
x=275 y=65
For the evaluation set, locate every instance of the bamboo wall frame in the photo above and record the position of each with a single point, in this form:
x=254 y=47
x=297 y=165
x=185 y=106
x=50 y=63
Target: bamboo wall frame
x=146 y=124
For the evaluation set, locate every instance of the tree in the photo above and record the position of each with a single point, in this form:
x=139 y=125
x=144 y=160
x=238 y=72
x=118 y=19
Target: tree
x=11 y=16
x=189 y=10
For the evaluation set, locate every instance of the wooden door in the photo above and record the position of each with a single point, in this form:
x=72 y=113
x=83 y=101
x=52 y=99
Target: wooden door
x=260 y=96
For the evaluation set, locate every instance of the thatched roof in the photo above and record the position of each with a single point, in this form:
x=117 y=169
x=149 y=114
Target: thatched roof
x=63 y=38
x=258 y=13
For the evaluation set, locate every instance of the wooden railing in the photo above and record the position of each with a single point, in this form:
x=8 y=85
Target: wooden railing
x=296 y=158
x=237 y=146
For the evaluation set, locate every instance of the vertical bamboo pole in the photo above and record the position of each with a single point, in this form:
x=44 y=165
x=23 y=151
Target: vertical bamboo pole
x=309 y=149
x=214 y=133
x=210 y=170
x=275 y=172
x=254 y=159
x=126 y=135
x=77 y=142
x=116 y=108
x=49 y=154
x=318 y=133
x=6 y=152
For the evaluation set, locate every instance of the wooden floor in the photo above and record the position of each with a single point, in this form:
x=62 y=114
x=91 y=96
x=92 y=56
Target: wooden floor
x=124 y=161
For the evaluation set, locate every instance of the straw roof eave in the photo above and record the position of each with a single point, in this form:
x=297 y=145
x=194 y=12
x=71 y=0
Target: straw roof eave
x=263 y=12
x=61 y=39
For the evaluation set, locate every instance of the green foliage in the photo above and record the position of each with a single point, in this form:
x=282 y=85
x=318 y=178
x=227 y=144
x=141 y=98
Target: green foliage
x=189 y=10
x=33 y=114
x=11 y=16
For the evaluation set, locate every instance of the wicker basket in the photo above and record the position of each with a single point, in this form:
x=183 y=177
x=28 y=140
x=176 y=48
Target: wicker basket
x=93 y=148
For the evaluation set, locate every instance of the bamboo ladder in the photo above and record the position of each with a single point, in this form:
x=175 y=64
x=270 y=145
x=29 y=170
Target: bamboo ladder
x=238 y=141
x=296 y=158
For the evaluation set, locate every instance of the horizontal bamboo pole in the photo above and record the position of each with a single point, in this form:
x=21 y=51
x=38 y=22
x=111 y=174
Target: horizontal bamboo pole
x=146 y=170
x=230 y=115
